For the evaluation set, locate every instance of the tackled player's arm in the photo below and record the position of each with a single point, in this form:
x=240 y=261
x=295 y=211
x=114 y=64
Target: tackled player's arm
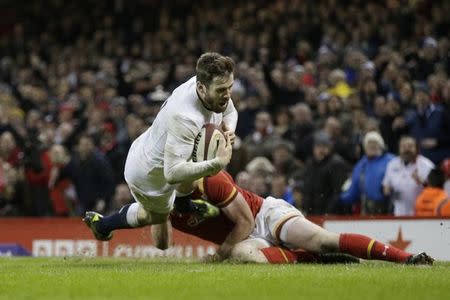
x=178 y=150
x=240 y=214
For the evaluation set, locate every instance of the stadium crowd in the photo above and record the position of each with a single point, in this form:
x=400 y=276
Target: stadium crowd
x=344 y=106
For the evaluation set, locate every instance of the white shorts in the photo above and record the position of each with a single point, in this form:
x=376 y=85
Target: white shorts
x=273 y=214
x=147 y=184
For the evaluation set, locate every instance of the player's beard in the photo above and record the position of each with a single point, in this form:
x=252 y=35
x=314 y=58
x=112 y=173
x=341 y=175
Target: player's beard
x=214 y=104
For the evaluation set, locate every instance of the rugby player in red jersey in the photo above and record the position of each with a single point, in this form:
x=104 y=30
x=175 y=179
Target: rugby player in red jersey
x=253 y=229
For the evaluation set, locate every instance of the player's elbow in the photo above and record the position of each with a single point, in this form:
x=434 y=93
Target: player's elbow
x=171 y=179
x=170 y=176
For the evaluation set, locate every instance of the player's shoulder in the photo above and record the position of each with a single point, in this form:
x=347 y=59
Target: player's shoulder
x=220 y=189
x=183 y=103
x=187 y=85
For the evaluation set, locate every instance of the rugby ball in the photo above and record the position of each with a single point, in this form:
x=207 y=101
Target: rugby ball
x=207 y=142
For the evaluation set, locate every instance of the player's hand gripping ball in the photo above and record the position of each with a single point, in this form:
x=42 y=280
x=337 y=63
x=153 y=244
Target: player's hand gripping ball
x=207 y=143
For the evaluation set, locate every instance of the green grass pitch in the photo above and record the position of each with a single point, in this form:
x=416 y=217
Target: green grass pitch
x=98 y=278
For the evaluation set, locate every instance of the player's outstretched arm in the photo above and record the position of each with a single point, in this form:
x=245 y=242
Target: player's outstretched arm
x=177 y=169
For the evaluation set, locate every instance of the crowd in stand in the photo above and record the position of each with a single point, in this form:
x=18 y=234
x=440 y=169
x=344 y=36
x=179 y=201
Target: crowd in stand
x=344 y=106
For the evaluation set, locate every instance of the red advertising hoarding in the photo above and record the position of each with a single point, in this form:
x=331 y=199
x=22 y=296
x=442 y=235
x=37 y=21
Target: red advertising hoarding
x=71 y=237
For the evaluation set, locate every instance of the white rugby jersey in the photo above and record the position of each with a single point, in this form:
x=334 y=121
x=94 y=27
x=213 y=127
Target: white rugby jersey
x=170 y=139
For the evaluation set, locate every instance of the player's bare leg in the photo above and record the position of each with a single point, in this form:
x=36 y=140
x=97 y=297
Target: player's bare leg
x=256 y=250
x=162 y=235
x=301 y=233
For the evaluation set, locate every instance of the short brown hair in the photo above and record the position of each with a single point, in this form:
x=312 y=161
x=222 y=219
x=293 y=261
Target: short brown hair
x=212 y=64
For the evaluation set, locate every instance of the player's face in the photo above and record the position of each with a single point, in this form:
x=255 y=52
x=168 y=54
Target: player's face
x=218 y=93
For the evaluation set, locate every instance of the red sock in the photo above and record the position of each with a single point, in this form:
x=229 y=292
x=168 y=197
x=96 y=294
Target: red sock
x=276 y=255
x=364 y=247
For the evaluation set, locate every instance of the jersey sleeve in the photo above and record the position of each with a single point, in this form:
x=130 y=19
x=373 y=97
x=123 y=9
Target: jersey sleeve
x=219 y=189
x=178 y=150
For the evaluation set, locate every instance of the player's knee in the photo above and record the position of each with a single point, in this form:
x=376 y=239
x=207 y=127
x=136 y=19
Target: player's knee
x=245 y=253
x=327 y=242
x=241 y=253
x=143 y=216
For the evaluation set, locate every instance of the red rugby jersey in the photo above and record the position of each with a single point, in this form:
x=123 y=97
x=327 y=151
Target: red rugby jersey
x=219 y=190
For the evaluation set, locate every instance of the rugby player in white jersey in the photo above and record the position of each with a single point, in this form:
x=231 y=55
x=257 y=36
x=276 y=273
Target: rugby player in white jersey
x=159 y=160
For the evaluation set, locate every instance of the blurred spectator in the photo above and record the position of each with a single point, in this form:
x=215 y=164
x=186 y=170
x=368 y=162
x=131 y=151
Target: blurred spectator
x=405 y=177
x=433 y=201
x=258 y=185
x=284 y=161
x=297 y=193
x=367 y=176
x=261 y=172
x=283 y=85
x=243 y=179
x=239 y=158
x=37 y=174
x=11 y=191
x=445 y=166
x=261 y=166
x=135 y=126
x=343 y=143
x=280 y=189
x=391 y=134
x=247 y=111
x=324 y=175
x=368 y=95
x=301 y=131
x=427 y=126
x=339 y=86
x=9 y=151
x=282 y=121
x=62 y=190
x=427 y=59
x=92 y=176
x=122 y=196
x=366 y=65
x=115 y=153
x=261 y=141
